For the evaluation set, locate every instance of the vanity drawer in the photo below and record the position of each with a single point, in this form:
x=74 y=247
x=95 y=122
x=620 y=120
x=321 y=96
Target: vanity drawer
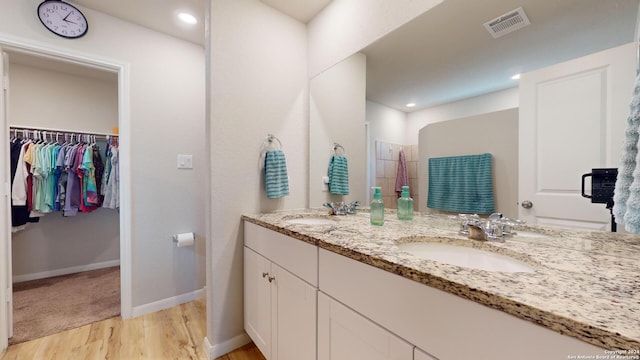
x=291 y=254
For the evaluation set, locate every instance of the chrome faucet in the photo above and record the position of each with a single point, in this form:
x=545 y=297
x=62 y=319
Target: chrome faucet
x=342 y=208
x=494 y=228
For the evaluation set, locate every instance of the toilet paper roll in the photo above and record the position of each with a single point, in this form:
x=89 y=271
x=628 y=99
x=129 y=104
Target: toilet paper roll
x=184 y=239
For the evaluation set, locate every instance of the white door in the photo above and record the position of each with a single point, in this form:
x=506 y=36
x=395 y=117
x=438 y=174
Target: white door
x=6 y=296
x=344 y=334
x=257 y=300
x=572 y=119
x=294 y=309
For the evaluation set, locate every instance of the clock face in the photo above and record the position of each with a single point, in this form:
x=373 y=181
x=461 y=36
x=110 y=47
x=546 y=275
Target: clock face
x=62 y=19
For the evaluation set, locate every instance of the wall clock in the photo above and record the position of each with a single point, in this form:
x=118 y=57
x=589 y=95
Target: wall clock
x=63 y=19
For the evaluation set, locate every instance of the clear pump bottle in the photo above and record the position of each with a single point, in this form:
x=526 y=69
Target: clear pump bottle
x=405 y=205
x=377 y=208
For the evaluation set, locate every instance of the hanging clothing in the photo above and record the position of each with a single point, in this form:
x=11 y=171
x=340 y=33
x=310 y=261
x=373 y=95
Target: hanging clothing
x=112 y=185
x=19 y=210
x=626 y=196
x=68 y=178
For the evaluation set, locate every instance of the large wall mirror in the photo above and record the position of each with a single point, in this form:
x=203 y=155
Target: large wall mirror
x=452 y=69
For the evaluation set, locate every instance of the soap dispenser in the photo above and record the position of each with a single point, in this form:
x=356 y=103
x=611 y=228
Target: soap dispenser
x=405 y=205
x=377 y=207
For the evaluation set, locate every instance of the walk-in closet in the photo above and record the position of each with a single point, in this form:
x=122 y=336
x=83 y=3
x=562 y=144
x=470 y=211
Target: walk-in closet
x=63 y=127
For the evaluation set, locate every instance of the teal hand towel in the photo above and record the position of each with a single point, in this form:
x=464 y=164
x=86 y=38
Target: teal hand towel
x=276 y=180
x=338 y=175
x=462 y=184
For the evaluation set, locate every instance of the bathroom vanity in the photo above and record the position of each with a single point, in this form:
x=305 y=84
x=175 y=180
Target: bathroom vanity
x=335 y=287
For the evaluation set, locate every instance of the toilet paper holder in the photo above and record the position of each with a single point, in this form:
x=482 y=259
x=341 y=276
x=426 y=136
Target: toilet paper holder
x=184 y=239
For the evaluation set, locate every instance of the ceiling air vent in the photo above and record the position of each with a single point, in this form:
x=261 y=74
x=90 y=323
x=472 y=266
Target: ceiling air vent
x=509 y=22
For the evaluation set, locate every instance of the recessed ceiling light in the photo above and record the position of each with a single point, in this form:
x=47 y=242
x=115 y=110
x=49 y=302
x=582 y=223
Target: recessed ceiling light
x=516 y=77
x=411 y=104
x=187 y=18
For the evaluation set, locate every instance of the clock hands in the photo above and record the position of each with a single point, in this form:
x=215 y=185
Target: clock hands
x=69 y=21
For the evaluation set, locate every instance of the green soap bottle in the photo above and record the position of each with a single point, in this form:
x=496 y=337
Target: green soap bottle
x=405 y=205
x=377 y=208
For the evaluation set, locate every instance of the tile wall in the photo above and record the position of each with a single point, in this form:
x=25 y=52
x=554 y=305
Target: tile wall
x=387 y=158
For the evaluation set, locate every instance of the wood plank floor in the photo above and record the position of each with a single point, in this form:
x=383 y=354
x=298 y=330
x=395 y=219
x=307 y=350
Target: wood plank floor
x=175 y=333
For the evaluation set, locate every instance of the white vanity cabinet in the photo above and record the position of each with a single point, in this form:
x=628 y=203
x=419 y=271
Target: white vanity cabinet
x=443 y=325
x=280 y=299
x=344 y=334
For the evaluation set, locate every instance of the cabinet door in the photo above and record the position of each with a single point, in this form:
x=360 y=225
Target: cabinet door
x=344 y=334
x=257 y=300
x=294 y=313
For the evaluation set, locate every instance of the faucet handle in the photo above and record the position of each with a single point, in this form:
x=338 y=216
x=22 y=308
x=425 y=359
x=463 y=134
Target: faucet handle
x=495 y=216
x=351 y=209
x=331 y=207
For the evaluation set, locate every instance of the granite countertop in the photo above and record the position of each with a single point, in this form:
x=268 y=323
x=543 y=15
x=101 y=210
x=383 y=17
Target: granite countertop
x=585 y=284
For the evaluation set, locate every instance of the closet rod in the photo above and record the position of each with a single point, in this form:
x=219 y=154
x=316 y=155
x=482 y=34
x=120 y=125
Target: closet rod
x=100 y=136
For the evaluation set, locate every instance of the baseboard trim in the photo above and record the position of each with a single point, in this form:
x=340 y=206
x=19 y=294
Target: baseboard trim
x=226 y=347
x=208 y=349
x=65 y=271
x=167 y=303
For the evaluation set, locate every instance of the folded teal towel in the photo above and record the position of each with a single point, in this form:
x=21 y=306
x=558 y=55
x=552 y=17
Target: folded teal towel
x=338 y=175
x=461 y=184
x=276 y=181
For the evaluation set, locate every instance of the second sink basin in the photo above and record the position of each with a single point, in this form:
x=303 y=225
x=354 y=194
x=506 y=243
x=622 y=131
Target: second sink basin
x=467 y=257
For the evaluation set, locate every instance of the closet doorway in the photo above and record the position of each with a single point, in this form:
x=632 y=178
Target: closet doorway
x=79 y=255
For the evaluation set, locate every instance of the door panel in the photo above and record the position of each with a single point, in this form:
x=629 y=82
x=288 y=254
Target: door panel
x=257 y=300
x=572 y=119
x=294 y=334
x=6 y=309
x=344 y=334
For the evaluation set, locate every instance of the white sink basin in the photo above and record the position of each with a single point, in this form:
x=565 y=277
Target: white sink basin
x=527 y=234
x=467 y=257
x=311 y=221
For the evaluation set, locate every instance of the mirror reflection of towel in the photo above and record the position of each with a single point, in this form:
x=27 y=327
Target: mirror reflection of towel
x=402 y=176
x=338 y=175
x=276 y=180
x=462 y=184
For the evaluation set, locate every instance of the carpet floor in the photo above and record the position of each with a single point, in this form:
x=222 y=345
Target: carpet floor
x=48 y=306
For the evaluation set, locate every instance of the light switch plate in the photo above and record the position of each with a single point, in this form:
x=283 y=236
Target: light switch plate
x=325 y=183
x=185 y=161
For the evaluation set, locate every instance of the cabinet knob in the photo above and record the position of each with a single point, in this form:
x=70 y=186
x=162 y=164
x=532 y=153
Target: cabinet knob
x=265 y=274
x=271 y=278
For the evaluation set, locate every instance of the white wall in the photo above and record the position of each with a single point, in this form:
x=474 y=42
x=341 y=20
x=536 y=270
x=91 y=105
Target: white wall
x=387 y=124
x=166 y=93
x=258 y=85
x=337 y=114
x=51 y=99
x=495 y=101
x=54 y=99
x=345 y=27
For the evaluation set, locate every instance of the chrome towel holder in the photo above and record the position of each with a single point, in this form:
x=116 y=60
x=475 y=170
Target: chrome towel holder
x=337 y=147
x=272 y=141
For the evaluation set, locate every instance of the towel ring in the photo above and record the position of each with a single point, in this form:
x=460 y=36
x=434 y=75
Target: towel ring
x=269 y=141
x=337 y=146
